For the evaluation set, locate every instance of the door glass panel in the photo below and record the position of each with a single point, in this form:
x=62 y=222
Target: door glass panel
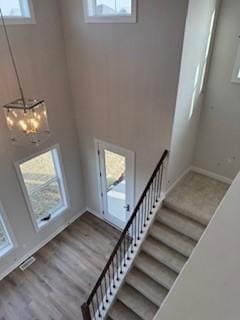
x=115 y=166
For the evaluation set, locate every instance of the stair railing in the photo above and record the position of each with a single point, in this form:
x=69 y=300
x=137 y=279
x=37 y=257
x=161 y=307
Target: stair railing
x=102 y=293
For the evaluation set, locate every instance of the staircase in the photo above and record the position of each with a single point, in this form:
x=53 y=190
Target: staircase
x=172 y=238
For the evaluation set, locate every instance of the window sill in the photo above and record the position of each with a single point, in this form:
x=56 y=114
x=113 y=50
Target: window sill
x=19 y=21
x=110 y=19
x=236 y=81
x=43 y=224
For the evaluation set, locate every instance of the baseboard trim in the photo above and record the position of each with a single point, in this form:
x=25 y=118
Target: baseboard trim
x=40 y=245
x=95 y=213
x=211 y=174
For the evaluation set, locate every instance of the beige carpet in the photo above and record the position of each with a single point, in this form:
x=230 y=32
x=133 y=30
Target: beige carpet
x=178 y=226
x=198 y=196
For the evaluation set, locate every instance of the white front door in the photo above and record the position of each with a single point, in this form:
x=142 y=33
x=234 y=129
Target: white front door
x=116 y=171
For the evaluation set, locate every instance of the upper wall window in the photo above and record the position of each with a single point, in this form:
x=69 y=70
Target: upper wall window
x=43 y=185
x=17 y=11
x=236 y=71
x=110 y=11
x=207 y=52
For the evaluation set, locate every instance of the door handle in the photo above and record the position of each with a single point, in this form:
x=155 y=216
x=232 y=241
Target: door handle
x=127 y=207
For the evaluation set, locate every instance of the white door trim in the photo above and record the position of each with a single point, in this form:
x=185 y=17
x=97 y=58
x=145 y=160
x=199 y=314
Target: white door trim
x=130 y=173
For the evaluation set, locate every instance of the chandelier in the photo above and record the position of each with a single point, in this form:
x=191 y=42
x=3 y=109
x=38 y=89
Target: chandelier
x=26 y=119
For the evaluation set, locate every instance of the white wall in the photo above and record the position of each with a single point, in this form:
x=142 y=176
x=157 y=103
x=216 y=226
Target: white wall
x=209 y=286
x=189 y=99
x=124 y=81
x=39 y=51
x=218 y=139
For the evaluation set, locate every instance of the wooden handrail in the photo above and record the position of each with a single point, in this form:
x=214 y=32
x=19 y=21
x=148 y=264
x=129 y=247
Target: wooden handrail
x=140 y=215
x=125 y=230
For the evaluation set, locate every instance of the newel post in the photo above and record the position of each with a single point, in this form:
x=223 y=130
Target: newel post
x=86 y=312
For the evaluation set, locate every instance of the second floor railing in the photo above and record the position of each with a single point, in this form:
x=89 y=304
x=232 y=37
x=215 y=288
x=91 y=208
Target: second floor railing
x=102 y=293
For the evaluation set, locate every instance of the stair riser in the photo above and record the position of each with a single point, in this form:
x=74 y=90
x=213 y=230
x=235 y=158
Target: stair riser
x=166 y=285
x=195 y=236
x=138 y=303
x=164 y=255
x=182 y=248
x=186 y=213
x=156 y=299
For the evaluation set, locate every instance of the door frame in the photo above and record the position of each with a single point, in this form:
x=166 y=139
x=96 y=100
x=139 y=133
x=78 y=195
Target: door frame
x=130 y=172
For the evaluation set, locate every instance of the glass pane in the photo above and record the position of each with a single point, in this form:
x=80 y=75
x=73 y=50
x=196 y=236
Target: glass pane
x=38 y=171
x=46 y=200
x=42 y=184
x=116 y=184
x=11 y=8
x=4 y=241
x=238 y=74
x=113 y=7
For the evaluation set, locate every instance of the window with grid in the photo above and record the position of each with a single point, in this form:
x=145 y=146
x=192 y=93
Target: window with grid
x=110 y=10
x=43 y=184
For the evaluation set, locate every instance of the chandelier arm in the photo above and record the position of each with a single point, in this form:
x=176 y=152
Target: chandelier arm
x=13 y=60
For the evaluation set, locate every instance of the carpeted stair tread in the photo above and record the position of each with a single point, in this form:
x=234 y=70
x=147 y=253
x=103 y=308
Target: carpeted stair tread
x=197 y=196
x=146 y=286
x=164 y=254
x=180 y=223
x=119 y=312
x=136 y=302
x=172 y=238
x=178 y=226
x=155 y=270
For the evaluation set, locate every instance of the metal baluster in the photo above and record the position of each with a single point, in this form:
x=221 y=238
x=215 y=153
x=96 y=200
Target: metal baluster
x=156 y=185
x=148 y=204
x=98 y=306
x=154 y=190
x=113 y=268
x=110 y=282
x=139 y=221
x=152 y=193
x=135 y=232
x=158 y=181
x=94 y=311
x=145 y=210
x=124 y=251
x=106 y=289
x=121 y=258
x=117 y=265
x=132 y=241
x=141 y=211
x=128 y=246
x=102 y=297
x=150 y=200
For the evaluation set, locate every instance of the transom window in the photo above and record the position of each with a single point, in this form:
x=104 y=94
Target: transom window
x=236 y=71
x=6 y=243
x=43 y=185
x=17 y=11
x=112 y=11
